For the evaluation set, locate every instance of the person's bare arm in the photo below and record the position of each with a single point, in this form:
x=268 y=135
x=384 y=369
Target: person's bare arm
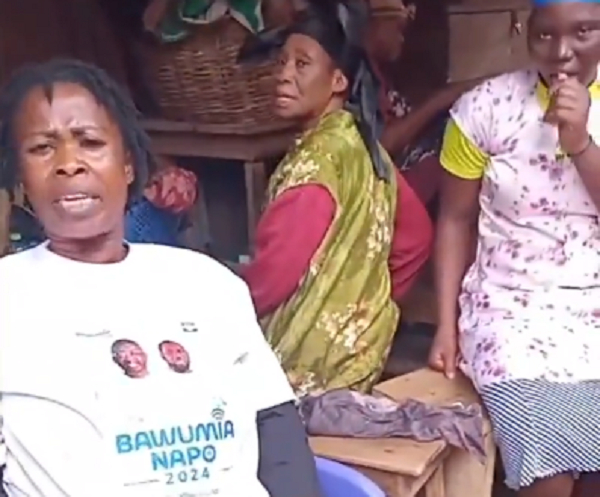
x=455 y=243
x=568 y=111
x=402 y=131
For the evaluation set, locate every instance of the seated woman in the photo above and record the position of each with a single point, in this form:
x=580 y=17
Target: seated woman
x=412 y=135
x=342 y=236
x=108 y=385
x=522 y=184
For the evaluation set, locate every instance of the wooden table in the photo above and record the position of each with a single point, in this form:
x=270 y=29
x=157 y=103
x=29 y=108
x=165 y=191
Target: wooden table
x=185 y=139
x=463 y=474
x=405 y=468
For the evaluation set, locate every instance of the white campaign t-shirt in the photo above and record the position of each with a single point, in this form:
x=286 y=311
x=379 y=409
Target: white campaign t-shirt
x=135 y=379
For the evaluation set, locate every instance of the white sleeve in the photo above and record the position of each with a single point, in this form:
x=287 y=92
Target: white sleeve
x=473 y=111
x=262 y=372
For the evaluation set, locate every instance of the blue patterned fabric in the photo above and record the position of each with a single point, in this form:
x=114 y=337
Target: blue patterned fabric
x=543 y=429
x=146 y=223
x=25 y=230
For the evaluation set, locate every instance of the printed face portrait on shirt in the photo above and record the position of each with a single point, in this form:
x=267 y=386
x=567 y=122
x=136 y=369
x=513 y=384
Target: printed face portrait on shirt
x=131 y=358
x=175 y=355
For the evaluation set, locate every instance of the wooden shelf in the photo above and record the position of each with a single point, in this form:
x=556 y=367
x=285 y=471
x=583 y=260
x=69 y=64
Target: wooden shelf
x=187 y=139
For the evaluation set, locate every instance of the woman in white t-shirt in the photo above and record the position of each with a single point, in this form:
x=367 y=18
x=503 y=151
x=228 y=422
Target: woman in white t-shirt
x=110 y=386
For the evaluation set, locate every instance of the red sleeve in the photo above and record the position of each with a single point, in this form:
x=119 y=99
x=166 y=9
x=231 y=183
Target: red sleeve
x=287 y=236
x=413 y=235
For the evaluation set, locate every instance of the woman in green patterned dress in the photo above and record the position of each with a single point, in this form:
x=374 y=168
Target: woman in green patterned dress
x=332 y=220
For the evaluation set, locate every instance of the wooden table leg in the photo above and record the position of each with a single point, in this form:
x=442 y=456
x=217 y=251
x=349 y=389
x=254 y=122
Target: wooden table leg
x=255 y=174
x=436 y=486
x=465 y=475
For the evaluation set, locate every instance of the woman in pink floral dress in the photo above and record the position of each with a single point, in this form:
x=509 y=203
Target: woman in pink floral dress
x=519 y=249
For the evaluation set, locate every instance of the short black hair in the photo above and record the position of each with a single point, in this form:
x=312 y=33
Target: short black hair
x=105 y=90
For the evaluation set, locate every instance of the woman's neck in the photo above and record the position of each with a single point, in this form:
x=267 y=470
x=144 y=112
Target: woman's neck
x=334 y=105
x=102 y=249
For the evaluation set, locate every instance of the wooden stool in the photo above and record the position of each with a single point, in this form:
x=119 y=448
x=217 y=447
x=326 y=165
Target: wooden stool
x=404 y=468
x=463 y=474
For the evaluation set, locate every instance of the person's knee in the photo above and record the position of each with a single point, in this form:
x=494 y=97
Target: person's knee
x=587 y=485
x=554 y=486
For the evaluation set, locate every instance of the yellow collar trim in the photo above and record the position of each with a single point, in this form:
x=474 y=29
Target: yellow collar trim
x=543 y=95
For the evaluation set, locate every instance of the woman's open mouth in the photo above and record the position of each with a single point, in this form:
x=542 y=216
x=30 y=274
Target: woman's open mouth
x=78 y=203
x=283 y=97
x=283 y=100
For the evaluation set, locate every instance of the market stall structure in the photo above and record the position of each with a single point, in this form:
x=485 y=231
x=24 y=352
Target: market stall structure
x=213 y=117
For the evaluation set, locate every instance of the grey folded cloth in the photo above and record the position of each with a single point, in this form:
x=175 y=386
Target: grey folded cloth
x=345 y=413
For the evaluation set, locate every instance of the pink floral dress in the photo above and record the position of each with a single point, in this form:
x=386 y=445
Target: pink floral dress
x=530 y=303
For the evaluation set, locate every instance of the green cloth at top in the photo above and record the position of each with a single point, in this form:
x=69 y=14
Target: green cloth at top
x=185 y=15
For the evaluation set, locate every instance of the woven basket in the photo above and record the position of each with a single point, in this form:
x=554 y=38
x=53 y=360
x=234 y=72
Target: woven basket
x=198 y=80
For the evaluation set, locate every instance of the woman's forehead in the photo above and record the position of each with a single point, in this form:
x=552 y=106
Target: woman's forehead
x=304 y=44
x=565 y=13
x=547 y=3
x=66 y=104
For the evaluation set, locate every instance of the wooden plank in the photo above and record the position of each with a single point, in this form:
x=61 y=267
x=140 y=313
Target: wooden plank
x=194 y=140
x=478 y=6
x=401 y=456
x=499 y=40
x=430 y=387
x=256 y=185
